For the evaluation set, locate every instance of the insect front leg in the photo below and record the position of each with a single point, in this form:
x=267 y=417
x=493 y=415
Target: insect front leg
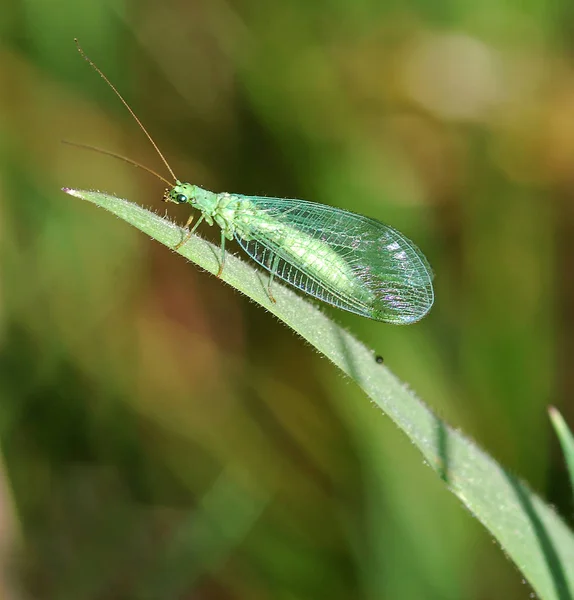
x=188 y=235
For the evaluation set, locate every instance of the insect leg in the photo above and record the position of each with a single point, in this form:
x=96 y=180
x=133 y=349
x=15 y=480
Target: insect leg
x=188 y=235
x=272 y=273
x=222 y=254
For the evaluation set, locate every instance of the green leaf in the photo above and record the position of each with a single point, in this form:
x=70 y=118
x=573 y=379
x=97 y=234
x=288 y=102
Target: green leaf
x=528 y=530
x=566 y=440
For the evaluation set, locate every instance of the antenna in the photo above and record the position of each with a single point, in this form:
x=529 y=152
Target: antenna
x=133 y=114
x=119 y=156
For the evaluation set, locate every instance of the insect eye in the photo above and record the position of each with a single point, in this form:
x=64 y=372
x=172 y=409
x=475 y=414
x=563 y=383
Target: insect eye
x=181 y=198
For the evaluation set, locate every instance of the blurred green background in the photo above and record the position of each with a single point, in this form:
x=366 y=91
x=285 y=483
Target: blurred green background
x=164 y=438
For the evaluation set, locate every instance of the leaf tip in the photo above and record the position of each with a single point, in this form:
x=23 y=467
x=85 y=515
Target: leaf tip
x=555 y=416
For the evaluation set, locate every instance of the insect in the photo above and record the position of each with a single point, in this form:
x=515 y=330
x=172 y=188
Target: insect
x=345 y=259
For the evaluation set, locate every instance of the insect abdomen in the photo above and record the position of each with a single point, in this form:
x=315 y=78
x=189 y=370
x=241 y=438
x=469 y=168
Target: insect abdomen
x=308 y=263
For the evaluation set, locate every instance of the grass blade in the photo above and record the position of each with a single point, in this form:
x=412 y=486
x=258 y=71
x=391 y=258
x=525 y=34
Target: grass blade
x=566 y=440
x=528 y=530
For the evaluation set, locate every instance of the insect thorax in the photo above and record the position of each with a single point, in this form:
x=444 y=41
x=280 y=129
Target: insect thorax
x=233 y=214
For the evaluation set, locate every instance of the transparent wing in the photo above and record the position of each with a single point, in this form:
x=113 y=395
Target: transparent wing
x=345 y=259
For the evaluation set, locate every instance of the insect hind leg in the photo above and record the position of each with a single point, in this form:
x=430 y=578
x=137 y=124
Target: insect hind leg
x=272 y=273
x=222 y=263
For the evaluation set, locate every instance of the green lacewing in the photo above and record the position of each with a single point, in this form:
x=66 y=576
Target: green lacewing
x=345 y=259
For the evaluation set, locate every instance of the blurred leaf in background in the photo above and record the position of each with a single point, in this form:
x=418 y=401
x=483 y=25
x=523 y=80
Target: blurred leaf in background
x=164 y=438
